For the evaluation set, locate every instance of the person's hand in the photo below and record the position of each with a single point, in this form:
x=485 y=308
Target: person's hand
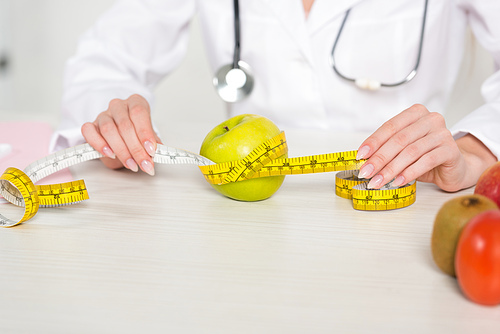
x=124 y=134
x=416 y=144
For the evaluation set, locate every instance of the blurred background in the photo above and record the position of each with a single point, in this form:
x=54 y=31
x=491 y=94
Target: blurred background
x=38 y=36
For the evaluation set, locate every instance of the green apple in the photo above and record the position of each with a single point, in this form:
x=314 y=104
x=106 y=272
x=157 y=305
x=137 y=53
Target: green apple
x=233 y=140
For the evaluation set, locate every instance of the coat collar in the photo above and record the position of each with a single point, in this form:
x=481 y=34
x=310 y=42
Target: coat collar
x=324 y=11
x=291 y=16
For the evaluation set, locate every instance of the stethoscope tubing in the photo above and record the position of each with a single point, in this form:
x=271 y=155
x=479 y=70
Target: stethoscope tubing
x=237 y=34
x=412 y=73
x=234 y=94
x=234 y=81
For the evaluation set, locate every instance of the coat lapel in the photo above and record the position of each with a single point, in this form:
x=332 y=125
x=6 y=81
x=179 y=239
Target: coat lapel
x=323 y=11
x=291 y=15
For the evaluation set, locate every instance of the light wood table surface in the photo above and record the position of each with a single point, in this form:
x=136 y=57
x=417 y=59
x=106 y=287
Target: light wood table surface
x=168 y=254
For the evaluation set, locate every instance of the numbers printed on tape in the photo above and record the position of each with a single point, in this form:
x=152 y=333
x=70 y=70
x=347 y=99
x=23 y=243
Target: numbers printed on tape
x=17 y=188
x=266 y=160
x=62 y=194
x=345 y=181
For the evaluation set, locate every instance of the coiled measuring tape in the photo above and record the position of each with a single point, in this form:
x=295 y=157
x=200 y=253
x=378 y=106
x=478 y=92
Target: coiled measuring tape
x=18 y=187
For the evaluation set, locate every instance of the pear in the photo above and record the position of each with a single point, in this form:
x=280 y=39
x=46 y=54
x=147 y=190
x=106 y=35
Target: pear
x=449 y=221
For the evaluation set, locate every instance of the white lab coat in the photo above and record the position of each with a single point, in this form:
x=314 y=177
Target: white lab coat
x=138 y=42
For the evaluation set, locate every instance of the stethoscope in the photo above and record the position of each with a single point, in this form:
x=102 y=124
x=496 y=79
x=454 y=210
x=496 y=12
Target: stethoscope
x=235 y=81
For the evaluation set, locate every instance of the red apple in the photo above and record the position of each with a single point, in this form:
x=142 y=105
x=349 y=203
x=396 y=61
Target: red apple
x=489 y=183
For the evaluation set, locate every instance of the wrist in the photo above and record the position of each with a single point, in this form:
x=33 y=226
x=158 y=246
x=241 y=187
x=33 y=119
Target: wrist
x=477 y=158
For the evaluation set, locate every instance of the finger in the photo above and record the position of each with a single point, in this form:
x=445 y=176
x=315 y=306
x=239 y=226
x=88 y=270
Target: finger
x=94 y=138
x=425 y=126
x=128 y=133
x=112 y=163
x=108 y=129
x=158 y=139
x=389 y=129
x=402 y=167
x=140 y=114
x=436 y=164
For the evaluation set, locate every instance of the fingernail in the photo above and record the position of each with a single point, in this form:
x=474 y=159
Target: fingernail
x=363 y=152
x=365 y=171
x=108 y=152
x=400 y=180
x=148 y=167
x=130 y=164
x=375 y=182
x=150 y=148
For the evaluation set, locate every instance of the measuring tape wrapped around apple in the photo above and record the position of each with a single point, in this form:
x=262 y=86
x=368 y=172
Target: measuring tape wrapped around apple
x=252 y=172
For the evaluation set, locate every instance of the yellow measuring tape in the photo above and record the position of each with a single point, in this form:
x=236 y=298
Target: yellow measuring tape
x=263 y=161
x=18 y=187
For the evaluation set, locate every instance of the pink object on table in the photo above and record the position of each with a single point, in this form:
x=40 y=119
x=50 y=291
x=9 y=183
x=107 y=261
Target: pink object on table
x=28 y=142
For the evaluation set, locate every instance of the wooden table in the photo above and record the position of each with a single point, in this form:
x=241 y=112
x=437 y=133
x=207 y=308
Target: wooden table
x=168 y=254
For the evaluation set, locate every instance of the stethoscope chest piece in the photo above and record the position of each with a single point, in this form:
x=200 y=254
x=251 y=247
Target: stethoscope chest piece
x=234 y=83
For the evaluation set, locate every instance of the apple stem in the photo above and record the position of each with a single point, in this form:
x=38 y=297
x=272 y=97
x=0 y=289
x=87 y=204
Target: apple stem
x=470 y=202
x=226 y=128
